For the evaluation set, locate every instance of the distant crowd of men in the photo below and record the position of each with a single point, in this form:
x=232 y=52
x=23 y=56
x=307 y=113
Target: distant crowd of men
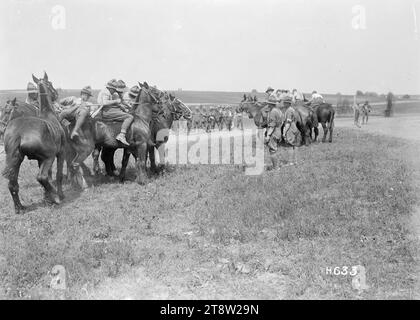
x=209 y=118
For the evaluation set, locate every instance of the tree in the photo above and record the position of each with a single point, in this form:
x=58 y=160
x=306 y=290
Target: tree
x=254 y=91
x=406 y=96
x=359 y=93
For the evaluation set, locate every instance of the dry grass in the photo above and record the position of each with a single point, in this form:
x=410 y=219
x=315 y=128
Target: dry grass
x=212 y=232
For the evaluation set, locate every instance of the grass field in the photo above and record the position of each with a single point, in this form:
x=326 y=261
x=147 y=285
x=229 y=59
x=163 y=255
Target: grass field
x=212 y=232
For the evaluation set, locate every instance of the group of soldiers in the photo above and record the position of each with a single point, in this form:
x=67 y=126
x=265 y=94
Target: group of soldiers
x=208 y=117
x=113 y=101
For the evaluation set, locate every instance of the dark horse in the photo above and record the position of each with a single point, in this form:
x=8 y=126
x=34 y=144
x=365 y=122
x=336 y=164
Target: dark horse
x=325 y=114
x=305 y=118
x=172 y=110
x=40 y=138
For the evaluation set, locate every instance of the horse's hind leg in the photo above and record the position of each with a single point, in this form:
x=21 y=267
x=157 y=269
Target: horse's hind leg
x=50 y=193
x=11 y=172
x=331 y=129
x=95 y=156
x=325 y=130
x=59 y=176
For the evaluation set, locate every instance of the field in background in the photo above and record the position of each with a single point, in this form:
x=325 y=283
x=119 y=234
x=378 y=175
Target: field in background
x=218 y=97
x=212 y=232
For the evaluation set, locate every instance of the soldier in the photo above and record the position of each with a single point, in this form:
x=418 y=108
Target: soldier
x=228 y=117
x=316 y=98
x=291 y=133
x=297 y=97
x=197 y=118
x=113 y=109
x=130 y=96
x=272 y=96
x=219 y=115
x=239 y=118
x=32 y=97
x=273 y=136
x=79 y=110
x=212 y=117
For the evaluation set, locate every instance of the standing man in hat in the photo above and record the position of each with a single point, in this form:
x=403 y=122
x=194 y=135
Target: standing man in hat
x=113 y=110
x=273 y=137
x=271 y=95
x=32 y=97
x=79 y=110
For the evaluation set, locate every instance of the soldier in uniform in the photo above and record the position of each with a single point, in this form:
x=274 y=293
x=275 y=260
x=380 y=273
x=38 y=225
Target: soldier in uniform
x=291 y=134
x=32 y=97
x=229 y=117
x=219 y=117
x=297 y=98
x=113 y=109
x=197 y=118
x=274 y=135
x=212 y=117
x=239 y=118
x=79 y=110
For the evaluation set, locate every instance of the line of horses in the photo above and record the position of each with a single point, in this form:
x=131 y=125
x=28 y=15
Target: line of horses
x=38 y=135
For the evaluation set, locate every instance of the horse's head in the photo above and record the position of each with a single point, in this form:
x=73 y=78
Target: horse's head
x=249 y=105
x=177 y=108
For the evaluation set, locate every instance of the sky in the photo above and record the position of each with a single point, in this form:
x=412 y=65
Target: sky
x=216 y=45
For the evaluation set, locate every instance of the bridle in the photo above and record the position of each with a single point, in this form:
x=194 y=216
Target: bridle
x=177 y=114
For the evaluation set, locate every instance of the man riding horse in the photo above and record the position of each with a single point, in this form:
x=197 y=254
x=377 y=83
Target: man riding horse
x=113 y=109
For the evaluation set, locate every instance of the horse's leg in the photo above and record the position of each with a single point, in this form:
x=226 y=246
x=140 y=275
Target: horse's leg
x=59 y=176
x=141 y=163
x=331 y=129
x=316 y=133
x=151 y=154
x=325 y=129
x=50 y=193
x=111 y=160
x=124 y=164
x=107 y=157
x=11 y=172
x=95 y=156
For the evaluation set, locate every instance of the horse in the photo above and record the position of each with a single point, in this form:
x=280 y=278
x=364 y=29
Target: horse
x=325 y=113
x=40 y=138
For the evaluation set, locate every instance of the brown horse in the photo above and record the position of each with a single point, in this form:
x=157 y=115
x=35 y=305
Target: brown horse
x=39 y=138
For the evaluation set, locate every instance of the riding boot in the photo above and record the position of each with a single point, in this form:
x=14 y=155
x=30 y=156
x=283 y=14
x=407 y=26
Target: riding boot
x=124 y=127
x=121 y=138
x=79 y=122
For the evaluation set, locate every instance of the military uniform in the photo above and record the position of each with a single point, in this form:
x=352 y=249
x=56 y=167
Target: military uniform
x=197 y=119
x=78 y=111
x=239 y=118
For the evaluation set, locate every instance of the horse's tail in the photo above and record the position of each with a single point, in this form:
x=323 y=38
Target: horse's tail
x=331 y=118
